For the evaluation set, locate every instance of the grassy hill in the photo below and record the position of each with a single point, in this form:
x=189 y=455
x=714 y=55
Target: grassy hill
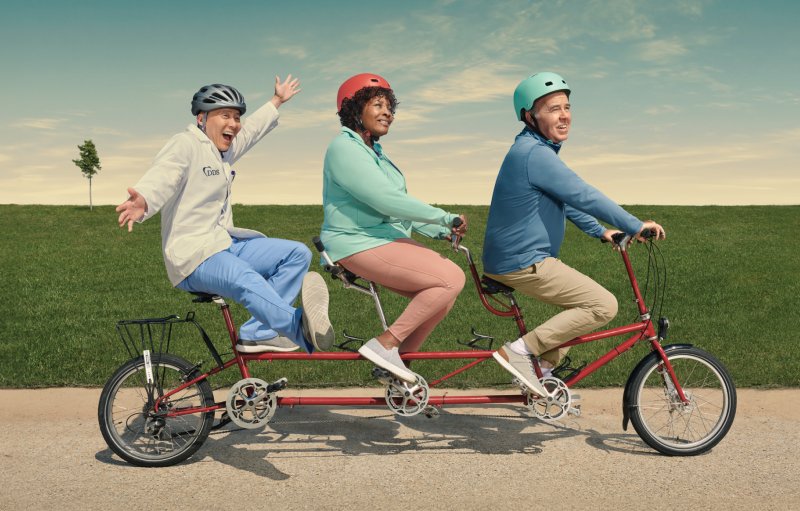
x=69 y=274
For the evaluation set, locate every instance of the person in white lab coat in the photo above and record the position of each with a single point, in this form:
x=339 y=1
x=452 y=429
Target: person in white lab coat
x=190 y=182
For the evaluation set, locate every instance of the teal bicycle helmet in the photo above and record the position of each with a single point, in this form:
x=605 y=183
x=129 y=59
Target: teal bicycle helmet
x=534 y=87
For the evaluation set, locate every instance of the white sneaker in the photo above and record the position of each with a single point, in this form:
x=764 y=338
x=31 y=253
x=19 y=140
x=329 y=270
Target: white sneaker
x=521 y=367
x=317 y=326
x=386 y=359
x=276 y=344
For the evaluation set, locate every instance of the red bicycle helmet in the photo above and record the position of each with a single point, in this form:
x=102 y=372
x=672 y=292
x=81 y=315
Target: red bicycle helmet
x=355 y=83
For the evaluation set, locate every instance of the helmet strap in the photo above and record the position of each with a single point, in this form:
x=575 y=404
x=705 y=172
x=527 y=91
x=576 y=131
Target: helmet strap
x=532 y=123
x=202 y=126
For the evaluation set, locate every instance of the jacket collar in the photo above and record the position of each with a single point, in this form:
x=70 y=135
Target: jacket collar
x=194 y=130
x=203 y=138
x=528 y=132
x=352 y=134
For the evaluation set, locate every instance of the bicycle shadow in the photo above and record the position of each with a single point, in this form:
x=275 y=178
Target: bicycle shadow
x=322 y=431
x=333 y=432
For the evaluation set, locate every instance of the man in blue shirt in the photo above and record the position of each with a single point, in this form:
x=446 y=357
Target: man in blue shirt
x=534 y=194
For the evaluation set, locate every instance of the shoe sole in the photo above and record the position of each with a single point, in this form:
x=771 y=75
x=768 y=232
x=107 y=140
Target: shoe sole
x=537 y=387
x=381 y=362
x=264 y=349
x=315 y=299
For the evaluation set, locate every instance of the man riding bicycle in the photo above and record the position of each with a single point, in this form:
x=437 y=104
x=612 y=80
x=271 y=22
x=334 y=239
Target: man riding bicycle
x=534 y=194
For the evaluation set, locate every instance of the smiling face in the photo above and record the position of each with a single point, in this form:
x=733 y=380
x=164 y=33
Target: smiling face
x=552 y=115
x=221 y=126
x=377 y=116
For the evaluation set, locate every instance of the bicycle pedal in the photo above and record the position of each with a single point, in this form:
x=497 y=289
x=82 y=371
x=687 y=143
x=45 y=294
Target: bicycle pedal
x=431 y=412
x=382 y=375
x=277 y=385
x=575 y=410
x=351 y=343
x=522 y=387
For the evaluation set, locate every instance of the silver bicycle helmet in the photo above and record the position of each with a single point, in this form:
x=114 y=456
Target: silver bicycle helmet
x=215 y=96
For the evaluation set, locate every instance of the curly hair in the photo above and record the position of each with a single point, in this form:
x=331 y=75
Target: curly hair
x=352 y=108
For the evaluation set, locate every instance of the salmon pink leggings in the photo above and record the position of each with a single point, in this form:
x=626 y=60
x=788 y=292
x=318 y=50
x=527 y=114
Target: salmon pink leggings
x=407 y=268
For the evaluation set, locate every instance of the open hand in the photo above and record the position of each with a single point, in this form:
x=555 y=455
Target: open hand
x=284 y=91
x=132 y=210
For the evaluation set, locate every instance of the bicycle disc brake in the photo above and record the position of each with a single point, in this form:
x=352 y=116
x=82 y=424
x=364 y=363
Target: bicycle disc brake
x=250 y=404
x=553 y=407
x=407 y=399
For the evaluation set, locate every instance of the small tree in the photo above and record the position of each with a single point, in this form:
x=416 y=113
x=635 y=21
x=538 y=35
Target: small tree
x=89 y=164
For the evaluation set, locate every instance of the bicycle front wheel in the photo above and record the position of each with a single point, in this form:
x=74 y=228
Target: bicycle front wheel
x=670 y=425
x=142 y=435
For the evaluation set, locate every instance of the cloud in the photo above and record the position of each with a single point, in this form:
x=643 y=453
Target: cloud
x=41 y=123
x=662 y=109
x=108 y=131
x=615 y=21
x=661 y=50
x=436 y=139
x=479 y=83
x=294 y=52
x=304 y=118
x=684 y=75
x=691 y=8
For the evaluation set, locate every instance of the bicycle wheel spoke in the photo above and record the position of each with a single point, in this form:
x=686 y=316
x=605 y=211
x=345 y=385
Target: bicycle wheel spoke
x=690 y=425
x=144 y=435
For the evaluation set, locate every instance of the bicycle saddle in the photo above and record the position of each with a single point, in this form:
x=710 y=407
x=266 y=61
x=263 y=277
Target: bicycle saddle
x=203 y=297
x=491 y=286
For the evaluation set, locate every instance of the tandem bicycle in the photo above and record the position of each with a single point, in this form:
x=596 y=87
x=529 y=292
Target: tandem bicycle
x=158 y=409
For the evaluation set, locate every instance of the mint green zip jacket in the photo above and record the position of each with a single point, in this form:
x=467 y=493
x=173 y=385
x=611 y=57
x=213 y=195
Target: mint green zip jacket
x=365 y=200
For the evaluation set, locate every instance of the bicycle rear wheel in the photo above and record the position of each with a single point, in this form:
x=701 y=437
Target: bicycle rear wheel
x=137 y=432
x=669 y=425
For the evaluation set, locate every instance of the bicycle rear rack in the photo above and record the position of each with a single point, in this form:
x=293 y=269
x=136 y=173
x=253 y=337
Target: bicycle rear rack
x=155 y=335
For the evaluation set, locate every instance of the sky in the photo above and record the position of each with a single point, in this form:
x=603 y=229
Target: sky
x=675 y=103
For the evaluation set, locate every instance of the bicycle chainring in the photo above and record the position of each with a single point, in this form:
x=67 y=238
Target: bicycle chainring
x=407 y=399
x=553 y=407
x=249 y=404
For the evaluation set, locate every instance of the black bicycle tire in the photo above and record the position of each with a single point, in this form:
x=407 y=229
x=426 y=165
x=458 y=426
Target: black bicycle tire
x=109 y=393
x=635 y=409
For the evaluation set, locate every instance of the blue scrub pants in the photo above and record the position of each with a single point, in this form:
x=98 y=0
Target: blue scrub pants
x=264 y=275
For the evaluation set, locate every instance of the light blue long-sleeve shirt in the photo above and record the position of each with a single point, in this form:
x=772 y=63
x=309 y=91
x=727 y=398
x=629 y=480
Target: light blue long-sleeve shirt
x=534 y=194
x=366 y=203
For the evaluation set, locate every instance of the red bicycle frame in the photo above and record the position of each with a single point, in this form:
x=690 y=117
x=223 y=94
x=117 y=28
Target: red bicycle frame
x=640 y=330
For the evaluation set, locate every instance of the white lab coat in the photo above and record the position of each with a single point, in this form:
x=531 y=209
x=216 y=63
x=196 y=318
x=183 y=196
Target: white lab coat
x=190 y=183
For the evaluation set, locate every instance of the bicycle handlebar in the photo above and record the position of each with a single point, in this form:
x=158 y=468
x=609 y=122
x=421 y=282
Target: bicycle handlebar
x=621 y=239
x=455 y=239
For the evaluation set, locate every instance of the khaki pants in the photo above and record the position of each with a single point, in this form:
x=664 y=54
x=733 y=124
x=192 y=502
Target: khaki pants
x=587 y=305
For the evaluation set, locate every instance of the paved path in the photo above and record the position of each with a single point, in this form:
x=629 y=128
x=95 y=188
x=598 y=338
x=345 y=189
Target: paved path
x=53 y=457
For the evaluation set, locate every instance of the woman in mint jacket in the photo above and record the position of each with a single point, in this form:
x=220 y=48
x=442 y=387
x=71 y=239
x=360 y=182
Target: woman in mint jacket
x=369 y=217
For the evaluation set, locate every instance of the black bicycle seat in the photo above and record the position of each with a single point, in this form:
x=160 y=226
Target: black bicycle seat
x=203 y=297
x=491 y=286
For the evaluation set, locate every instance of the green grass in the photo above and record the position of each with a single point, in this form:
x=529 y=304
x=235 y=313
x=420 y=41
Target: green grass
x=69 y=274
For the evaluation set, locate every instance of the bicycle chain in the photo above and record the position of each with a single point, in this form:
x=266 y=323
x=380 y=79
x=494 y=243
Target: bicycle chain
x=351 y=419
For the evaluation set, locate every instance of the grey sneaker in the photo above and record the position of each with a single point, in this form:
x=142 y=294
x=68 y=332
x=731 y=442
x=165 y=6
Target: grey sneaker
x=316 y=326
x=386 y=359
x=280 y=344
x=521 y=367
